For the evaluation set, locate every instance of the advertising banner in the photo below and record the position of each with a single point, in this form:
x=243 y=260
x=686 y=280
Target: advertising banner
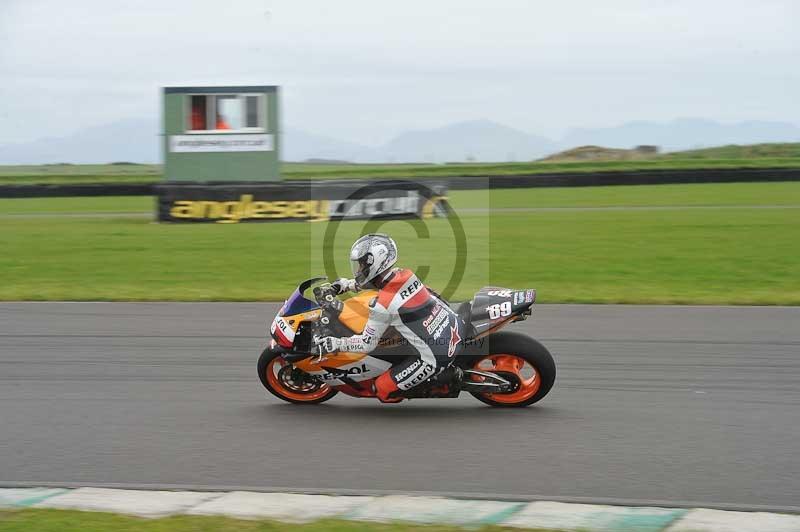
x=299 y=201
x=220 y=143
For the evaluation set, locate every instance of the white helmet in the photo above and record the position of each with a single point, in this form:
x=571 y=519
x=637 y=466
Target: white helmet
x=372 y=255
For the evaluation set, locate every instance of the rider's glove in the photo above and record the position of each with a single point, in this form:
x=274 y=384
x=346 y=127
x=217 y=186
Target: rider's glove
x=328 y=344
x=343 y=285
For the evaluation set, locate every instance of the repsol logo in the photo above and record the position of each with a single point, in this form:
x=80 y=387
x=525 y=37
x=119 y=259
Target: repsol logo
x=335 y=373
x=232 y=212
x=411 y=289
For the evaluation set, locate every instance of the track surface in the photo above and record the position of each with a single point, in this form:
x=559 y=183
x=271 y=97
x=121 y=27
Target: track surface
x=688 y=405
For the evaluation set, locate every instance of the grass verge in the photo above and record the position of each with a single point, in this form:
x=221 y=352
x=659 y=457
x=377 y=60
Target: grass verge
x=77 y=205
x=685 y=249
x=41 y=520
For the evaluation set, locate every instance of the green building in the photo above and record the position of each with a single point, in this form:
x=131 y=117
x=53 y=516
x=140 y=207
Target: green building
x=221 y=134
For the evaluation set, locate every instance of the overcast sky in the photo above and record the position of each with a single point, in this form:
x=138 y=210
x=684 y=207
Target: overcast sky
x=365 y=70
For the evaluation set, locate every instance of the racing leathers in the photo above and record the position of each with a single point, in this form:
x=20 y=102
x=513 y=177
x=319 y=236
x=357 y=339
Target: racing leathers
x=432 y=333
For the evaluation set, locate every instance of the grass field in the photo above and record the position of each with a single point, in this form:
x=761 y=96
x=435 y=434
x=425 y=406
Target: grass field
x=79 y=173
x=97 y=205
x=73 y=521
x=704 y=244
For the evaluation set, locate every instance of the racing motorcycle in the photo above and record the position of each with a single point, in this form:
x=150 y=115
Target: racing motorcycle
x=499 y=368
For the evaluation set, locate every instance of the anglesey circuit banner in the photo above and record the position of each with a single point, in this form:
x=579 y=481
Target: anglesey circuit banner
x=220 y=143
x=300 y=201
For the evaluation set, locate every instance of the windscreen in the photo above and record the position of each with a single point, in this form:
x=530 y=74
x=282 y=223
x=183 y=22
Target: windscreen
x=297 y=304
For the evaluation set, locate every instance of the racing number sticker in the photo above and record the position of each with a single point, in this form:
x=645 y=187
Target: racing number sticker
x=499 y=310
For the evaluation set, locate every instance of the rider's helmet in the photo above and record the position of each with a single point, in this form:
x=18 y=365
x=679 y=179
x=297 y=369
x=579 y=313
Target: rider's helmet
x=371 y=256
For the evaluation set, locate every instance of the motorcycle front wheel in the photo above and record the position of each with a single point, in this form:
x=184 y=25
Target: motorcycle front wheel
x=520 y=357
x=279 y=378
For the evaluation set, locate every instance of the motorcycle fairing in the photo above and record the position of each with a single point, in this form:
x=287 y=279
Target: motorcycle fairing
x=337 y=369
x=295 y=310
x=284 y=328
x=355 y=311
x=493 y=307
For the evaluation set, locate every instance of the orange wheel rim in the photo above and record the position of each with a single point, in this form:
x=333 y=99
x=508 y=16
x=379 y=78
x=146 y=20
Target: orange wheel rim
x=272 y=377
x=528 y=375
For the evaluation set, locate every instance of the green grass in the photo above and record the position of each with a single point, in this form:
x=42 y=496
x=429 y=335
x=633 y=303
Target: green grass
x=105 y=204
x=705 y=194
x=756 y=156
x=80 y=169
x=40 y=520
x=672 y=254
x=79 y=173
x=690 y=257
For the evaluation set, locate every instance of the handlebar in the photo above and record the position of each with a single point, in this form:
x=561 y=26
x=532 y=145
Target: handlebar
x=325 y=295
x=326 y=298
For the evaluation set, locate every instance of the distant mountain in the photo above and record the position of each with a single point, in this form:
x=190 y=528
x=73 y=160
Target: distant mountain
x=683 y=134
x=298 y=145
x=478 y=140
x=126 y=140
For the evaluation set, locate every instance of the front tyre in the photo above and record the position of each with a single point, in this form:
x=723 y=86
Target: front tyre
x=517 y=355
x=277 y=376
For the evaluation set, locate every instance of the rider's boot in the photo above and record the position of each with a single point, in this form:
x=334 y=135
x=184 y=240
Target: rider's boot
x=386 y=389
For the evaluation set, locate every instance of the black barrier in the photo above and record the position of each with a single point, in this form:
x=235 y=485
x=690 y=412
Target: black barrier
x=631 y=177
x=575 y=179
x=298 y=201
x=66 y=190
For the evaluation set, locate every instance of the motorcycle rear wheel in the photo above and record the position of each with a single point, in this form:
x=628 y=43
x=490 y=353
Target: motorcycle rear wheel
x=269 y=372
x=522 y=356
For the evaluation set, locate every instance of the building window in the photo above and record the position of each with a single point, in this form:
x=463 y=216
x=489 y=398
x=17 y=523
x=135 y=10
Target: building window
x=226 y=113
x=199 y=115
x=229 y=113
x=252 y=106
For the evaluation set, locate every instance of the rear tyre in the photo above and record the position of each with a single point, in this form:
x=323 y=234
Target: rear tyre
x=527 y=359
x=282 y=385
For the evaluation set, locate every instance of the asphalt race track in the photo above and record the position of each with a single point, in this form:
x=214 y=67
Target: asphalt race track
x=671 y=405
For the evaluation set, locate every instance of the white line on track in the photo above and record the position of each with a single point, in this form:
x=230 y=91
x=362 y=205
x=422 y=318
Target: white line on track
x=517 y=497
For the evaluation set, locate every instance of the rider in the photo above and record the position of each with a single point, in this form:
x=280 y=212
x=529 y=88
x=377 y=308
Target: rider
x=429 y=326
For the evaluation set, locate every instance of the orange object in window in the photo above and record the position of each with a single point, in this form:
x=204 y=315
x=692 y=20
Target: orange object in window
x=198 y=116
x=198 y=120
x=221 y=123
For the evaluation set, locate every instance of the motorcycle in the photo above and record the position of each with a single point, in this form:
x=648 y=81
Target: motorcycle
x=504 y=369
